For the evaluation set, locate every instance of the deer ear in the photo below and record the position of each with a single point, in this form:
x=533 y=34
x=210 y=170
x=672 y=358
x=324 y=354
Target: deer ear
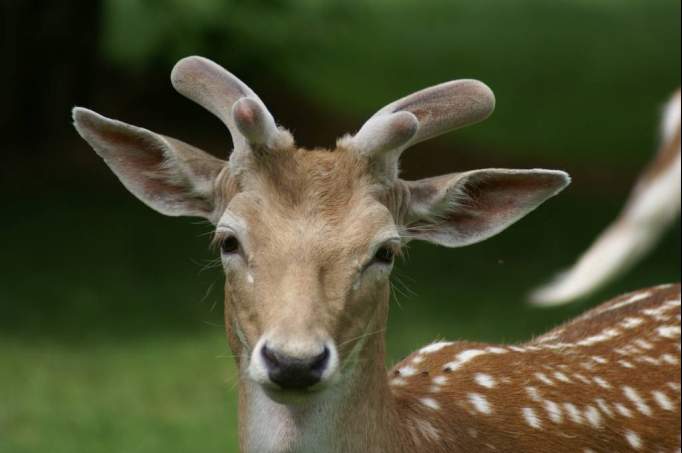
x=464 y=208
x=169 y=176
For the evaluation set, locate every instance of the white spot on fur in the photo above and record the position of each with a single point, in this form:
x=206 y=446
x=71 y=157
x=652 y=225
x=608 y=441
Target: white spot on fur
x=562 y=377
x=600 y=360
x=663 y=401
x=631 y=323
x=637 y=400
x=606 y=335
x=439 y=380
x=670 y=359
x=485 y=380
x=630 y=300
x=659 y=313
x=430 y=403
x=542 y=377
x=582 y=378
x=601 y=382
x=496 y=350
x=534 y=394
x=399 y=382
x=480 y=403
x=573 y=413
x=669 y=331
x=604 y=406
x=549 y=337
x=673 y=303
x=633 y=439
x=463 y=358
x=623 y=410
x=407 y=371
x=649 y=360
x=593 y=416
x=434 y=347
x=531 y=418
x=554 y=412
x=622 y=351
x=625 y=364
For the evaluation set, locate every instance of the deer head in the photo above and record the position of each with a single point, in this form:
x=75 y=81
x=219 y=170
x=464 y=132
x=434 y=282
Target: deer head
x=308 y=237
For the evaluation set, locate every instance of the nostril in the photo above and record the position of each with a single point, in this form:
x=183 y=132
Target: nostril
x=319 y=363
x=269 y=357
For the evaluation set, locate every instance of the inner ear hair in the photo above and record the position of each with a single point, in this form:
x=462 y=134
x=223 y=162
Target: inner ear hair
x=464 y=208
x=168 y=175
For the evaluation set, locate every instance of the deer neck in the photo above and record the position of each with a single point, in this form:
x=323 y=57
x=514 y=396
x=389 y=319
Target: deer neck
x=356 y=414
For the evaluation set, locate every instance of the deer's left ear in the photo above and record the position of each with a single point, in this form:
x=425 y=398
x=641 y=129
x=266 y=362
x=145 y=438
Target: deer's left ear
x=464 y=208
x=170 y=176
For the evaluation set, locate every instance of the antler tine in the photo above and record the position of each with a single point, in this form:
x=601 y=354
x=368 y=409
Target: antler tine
x=432 y=112
x=220 y=92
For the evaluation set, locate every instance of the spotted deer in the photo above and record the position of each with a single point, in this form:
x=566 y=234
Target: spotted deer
x=307 y=241
x=652 y=207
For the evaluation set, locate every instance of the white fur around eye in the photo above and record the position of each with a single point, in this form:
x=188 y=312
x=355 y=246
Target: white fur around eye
x=230 y=260
x=380 y=271
x=372 y=274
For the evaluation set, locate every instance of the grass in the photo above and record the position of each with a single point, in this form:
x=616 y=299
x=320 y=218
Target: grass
x=171 y=393
x=111 y=341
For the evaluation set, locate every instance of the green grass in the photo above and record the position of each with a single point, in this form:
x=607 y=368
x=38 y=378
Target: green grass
x=170 y=393
x=110 y=340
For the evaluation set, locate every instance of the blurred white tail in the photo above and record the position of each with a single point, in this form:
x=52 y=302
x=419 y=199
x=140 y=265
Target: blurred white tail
x=653 y=205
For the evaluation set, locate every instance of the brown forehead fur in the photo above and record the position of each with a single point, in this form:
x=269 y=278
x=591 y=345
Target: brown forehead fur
x=317 y=182
x=298 y=201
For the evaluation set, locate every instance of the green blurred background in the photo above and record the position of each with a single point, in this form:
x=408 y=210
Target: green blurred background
x=111 y=336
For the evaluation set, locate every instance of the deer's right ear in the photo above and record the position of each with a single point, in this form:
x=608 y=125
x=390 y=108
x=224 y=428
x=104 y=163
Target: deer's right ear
x=169 y=176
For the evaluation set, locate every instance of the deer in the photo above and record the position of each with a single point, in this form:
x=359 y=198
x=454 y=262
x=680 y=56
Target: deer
x=653 y=205
x=308 y=239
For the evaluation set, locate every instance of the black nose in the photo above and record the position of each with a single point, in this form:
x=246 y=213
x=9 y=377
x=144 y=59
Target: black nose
x=293 y=373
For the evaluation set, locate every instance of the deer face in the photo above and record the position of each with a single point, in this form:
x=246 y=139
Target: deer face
x=307 y=246
x=308 y=237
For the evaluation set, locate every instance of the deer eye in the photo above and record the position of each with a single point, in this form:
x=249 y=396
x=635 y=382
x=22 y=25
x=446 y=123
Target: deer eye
x=229 y=245
x=384 y=255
